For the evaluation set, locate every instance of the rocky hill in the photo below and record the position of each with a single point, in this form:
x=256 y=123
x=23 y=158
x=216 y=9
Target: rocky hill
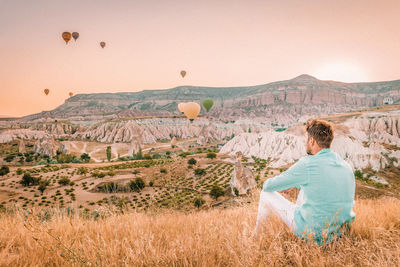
x=282 y=102
x=365 y=140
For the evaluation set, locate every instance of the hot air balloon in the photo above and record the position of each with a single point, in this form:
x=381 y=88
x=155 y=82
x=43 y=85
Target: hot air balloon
x=208 y=103
x=75 y=35
x=191 y=110
x=46 y=91
x=102 y=44
x=183 y=73
x=181 y=107
x=66 y=36
x=71 y=94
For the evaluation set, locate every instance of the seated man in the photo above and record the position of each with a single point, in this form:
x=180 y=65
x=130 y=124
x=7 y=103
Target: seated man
x=326 y=182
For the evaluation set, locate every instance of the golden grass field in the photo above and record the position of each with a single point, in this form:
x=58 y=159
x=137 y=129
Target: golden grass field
x=213 y=237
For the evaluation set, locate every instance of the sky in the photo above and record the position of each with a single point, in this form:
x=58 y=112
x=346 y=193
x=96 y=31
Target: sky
x=218 y=43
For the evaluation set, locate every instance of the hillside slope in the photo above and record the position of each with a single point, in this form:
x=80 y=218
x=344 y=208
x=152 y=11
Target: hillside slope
x=301 y=95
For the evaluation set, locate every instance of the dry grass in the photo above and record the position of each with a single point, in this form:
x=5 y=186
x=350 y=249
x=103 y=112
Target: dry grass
x=215 y=237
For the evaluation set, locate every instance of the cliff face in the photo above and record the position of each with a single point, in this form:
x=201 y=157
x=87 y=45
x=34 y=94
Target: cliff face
x=299 y=96
x=368 y=140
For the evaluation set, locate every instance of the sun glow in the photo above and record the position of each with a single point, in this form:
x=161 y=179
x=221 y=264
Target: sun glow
x=343 y=72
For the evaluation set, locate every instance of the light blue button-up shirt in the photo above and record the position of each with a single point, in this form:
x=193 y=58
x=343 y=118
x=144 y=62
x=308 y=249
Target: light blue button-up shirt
x=329 y=186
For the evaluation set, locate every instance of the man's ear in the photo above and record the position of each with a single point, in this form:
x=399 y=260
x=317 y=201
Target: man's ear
x=312 y=140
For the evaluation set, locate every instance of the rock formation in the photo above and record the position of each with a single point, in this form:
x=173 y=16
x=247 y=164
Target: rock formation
x=137 y=140
x=27 y=134
x=46 y=146
x=370 y=140
x=173 y=141
x=242 y=178
x=21 y=146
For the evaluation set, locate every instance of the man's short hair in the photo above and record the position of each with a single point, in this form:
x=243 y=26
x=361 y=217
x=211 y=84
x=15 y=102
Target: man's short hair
x=321 y=131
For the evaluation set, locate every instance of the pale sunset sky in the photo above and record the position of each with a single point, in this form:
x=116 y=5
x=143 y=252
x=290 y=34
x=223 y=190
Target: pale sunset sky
x=218 y=43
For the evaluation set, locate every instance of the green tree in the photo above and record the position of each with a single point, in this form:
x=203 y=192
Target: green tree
x=28 y=180
x=198 y=202
x=192 y=161
x=211 y=155
x=85 y=157
x=108 y=151
x=42 y=185
x=4 y=170
x=216 y=192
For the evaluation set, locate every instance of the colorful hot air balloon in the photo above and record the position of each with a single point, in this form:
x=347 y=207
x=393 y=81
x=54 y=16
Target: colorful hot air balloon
x=46 y=91
x=66 y=36
x=75 y=35
x=191 y=110
x=183 y=73
x=71 y=94
x=208 y=103
x=102 y=44
x=181 y=107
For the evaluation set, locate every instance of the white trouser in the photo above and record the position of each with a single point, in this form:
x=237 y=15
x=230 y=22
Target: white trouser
x=275 y=202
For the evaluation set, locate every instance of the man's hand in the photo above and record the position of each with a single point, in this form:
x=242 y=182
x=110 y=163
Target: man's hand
x=287 y=191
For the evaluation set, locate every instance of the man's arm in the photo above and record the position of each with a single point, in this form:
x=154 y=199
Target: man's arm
x=295 y=176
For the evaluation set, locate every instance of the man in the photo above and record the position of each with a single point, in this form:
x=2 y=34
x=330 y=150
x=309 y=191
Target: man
x=326 y=182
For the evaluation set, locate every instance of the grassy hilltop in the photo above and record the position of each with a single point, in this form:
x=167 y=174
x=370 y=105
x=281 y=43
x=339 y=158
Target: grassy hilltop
x=213 y=237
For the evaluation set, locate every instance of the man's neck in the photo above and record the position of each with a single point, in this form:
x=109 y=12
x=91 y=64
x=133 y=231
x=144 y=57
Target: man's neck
x=316 y=151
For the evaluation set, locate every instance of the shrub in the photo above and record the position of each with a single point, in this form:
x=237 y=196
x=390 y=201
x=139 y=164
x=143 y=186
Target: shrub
x=110 y=187
x=184 y=154
x=98 y=174
x=9 y=158
x=19 y=171
x=216 y=191
x=358 y=174
x=76 y=160
x=147 y=156
x=4 y=170
x=137 y=185
x=82 y=170
x=156 y=156
x=138 y=155
x=198 y=202
x=236 y=191
x=163 y=170
x=192 y=161
x=64 y=180
x=64 y=158
x=200 y=171
x=211 y=155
